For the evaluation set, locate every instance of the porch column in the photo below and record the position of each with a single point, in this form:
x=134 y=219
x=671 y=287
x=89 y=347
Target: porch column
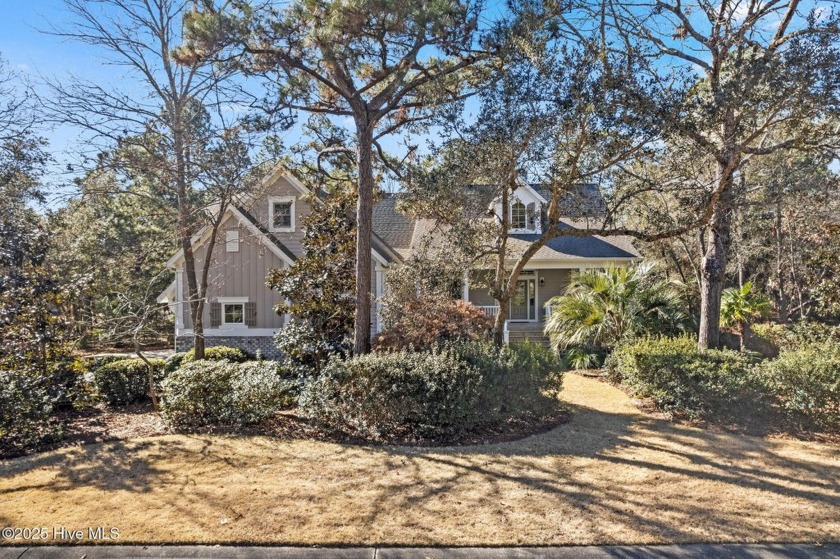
x=466 y=295
x=179 y=301
x=379 y=291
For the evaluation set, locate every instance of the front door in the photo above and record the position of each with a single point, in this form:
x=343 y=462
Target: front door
x=524 y=303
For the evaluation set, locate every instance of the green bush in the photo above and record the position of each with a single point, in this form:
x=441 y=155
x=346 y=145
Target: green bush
x=25 y=413
x=807 y=383
x=173 y=362
x=63 y=379
x=687 y=382
x=796 y=335
x=126 y=381
x=224 y=393
x=304 y=350
x=93 y=362
x=442 y=393
x=218 y=353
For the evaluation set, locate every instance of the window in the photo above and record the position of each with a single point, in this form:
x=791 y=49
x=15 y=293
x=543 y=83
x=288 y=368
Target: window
x=233 y=313
x=232 y=240
x=518 y=216
x=282 y=213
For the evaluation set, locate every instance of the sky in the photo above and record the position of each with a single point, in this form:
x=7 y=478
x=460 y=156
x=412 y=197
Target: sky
x=34 y=54
x=37 y=55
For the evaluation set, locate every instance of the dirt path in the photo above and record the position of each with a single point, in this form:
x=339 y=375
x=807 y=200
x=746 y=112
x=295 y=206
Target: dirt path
x=610 y=475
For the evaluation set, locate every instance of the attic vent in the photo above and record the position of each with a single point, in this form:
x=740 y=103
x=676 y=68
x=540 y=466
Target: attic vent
x=232 y=240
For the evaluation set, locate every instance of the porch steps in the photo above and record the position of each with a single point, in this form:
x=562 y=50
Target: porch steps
x=518 y=333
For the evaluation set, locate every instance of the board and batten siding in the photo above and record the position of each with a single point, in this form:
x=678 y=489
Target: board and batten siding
x=555 y=283
x=239 y=274
x=260 y=210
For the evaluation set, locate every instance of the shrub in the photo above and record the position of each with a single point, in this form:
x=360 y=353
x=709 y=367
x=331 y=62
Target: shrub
x=579 y=357
x=807 y=384
x=442 y=393
x=432 y=320
x=218 y=353
x=93 y=362
x=25 y=413
x=306 y=350
x=799 y=334
x=173 y=362
x=601 y=308
x=687 y=382
x=126 y=381
x=64 y=375
x=225 y=393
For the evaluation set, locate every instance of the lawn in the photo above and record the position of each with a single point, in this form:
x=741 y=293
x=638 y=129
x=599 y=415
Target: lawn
x=610 y=475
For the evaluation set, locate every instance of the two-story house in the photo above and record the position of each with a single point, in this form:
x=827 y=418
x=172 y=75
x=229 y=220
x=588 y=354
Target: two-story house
x=267 y=235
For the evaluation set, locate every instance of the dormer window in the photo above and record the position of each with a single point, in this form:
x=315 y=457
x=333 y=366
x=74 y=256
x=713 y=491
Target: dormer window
x=281 y=214
x=518 y=216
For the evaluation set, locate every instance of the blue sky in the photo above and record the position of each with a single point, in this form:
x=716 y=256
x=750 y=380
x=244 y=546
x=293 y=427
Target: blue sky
x=34 y=54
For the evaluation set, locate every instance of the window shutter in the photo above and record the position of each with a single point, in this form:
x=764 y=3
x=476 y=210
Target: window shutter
x=215 y=315
x=531 y=216
x=250 y=314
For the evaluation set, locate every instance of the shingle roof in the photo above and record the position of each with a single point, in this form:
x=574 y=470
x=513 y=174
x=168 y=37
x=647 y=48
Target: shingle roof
x=392 y=226
x=403 y=233
x=572 y=248
x=584 y=201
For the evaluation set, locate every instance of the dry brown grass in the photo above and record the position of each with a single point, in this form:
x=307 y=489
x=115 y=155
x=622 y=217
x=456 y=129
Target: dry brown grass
x=610 y=475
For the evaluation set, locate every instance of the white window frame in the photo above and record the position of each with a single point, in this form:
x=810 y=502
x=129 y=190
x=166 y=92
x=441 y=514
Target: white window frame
x=281 y=200
x=232 y=240
x=525 y=209
x=233 y=301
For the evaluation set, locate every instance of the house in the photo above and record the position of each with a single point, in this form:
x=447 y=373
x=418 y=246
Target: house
x=265 y=234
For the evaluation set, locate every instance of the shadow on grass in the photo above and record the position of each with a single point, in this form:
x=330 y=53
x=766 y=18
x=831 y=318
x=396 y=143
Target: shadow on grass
x=609 y=471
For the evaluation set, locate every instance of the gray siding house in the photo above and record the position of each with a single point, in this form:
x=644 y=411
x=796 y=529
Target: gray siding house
x=266 y=234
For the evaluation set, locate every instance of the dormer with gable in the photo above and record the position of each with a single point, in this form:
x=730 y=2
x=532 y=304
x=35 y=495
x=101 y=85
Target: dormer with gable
x=526 y=208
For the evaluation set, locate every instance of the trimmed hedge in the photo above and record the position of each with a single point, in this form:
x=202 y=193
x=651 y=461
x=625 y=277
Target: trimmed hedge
x=687 y=382
x=25 y=413
x=807 y=383
x=126 y=381
x=442 y=393
x=224 y=393
x=218 y=353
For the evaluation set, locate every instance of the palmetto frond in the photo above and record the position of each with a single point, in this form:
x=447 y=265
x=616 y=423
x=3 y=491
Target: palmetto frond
x=601 y=307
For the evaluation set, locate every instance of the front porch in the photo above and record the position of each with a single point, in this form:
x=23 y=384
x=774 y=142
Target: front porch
x=528 y=310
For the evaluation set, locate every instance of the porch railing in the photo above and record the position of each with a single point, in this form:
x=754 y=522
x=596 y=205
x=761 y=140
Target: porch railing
x=491 y=310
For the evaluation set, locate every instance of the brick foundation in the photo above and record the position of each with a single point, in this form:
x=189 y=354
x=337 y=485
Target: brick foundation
x=264 y=344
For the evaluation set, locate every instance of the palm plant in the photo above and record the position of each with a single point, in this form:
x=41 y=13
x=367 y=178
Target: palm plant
x=599 y=308
x=739 y=306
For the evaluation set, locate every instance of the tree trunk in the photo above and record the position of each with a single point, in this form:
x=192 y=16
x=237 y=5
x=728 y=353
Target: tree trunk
x=196 y=308
x=364 y=229
x=185 y=232
x=713 y=269
x=499 y=324
x=781 y=297
x=746 y=332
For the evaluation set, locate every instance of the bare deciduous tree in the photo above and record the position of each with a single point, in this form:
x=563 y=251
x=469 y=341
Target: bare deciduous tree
x=171 y=125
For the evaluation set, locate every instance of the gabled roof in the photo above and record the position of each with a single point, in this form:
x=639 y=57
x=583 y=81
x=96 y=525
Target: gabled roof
x=404 y=234
x=261 y=232
x=247 y=221
x=585 y=200
x=393 y=227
